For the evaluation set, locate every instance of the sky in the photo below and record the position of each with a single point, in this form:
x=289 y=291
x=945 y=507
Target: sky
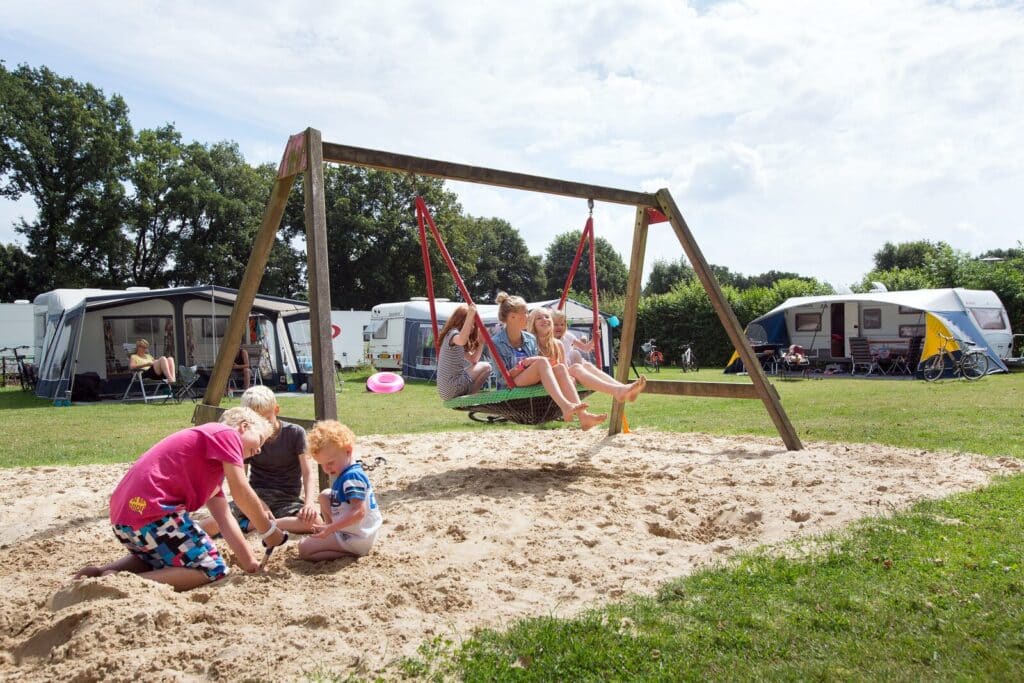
x=793 y=135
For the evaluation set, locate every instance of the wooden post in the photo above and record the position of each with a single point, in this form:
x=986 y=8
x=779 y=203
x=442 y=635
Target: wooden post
x=247 y=291
x=636 y=272
x=729 y=321
x=325 y=402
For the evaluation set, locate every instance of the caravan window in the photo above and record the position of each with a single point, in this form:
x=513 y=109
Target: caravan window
x=989 y=318
x=808 y=322
x=871 y=319
x=379 y=329
x=910 y=331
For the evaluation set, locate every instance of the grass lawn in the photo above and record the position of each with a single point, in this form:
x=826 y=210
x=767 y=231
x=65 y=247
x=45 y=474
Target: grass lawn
x=933 y=593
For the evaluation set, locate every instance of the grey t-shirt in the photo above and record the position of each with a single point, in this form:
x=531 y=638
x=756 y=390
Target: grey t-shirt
x=277 y=465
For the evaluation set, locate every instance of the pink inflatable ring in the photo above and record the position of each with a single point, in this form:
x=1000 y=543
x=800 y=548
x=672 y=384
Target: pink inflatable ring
x=385 y=383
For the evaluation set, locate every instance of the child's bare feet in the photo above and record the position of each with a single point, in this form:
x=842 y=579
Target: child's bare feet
x=90 y=572
x=588 y=419
x=635 y=389
x=575 y=410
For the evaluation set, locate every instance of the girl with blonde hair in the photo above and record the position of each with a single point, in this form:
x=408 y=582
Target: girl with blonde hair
x=518 y=351
x=541 y=324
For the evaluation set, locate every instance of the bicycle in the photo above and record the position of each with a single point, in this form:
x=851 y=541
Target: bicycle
x=972 y=364
x=689 y=359
x=26 y=370
x=653 y=358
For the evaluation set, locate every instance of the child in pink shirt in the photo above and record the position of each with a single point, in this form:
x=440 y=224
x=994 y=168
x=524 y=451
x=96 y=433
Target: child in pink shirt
x=150 y=508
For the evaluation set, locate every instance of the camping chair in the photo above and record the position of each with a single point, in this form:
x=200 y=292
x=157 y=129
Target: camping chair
x=187 y=378
x=795 y=360
x=255 y=352
x=158 y=388
x=860 y=351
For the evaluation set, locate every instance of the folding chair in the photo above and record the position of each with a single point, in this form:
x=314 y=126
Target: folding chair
x=187 y=378
x=156 y=386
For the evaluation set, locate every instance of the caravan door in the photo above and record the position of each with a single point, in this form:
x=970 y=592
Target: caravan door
x=387 y=338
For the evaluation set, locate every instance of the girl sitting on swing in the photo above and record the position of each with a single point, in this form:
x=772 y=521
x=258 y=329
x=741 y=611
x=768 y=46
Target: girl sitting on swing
x=541 y=323
x=518 y=350
x=459 y=368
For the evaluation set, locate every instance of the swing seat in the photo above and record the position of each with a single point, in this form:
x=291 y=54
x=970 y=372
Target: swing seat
x=523 y=405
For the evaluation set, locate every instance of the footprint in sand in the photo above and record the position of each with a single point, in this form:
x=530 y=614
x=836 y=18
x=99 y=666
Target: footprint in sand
x=82 y=591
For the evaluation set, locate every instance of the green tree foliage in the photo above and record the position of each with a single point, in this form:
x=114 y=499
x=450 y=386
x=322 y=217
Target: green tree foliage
x=667 y=274
x=66 y=145
x=17 y=276
x=906 y=255
x=612 y=273
x=218 y=201
x=498 y=260
x=372 y=237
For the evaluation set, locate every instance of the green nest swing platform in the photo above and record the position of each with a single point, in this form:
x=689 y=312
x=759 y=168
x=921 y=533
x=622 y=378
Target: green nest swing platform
x=525 y=406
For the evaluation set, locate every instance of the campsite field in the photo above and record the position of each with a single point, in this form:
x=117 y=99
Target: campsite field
x=973 y=417
x=933 y=591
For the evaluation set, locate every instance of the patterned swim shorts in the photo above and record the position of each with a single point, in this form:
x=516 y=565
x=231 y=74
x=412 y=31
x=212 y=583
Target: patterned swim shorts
x=173 y=541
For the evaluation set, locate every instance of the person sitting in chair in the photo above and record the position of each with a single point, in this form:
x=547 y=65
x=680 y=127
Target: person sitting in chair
x=241 y=365
x=796 y=355
x=153 y=368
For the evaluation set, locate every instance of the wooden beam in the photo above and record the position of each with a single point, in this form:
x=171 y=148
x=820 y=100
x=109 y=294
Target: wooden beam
x=325 y=401
x=633 y=284
x=707 y=389
x=204 y=413
x=238 y=322
x=729 y=322
x=387 y=161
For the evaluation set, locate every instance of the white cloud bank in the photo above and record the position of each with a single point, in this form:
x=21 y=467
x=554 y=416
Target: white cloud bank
x=846 y=124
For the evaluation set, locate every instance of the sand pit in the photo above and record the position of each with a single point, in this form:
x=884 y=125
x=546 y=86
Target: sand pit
x=480 y=529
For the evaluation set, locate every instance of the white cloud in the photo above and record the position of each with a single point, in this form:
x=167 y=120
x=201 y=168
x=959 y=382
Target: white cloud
x=845 y=123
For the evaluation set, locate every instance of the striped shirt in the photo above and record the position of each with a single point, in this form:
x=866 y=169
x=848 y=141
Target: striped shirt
x=452 y=369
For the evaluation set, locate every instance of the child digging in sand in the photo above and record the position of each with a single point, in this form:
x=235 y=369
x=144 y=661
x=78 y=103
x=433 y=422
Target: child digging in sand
x=349 y=506
x=150 y=510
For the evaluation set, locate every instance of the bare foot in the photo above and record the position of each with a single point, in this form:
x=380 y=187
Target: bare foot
x=635 y=389
x=588 y=419
x=575 y=410
x=90 y=572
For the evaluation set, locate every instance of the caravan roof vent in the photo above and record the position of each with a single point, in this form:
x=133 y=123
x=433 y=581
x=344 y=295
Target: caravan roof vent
x=137 y=289
x=878 y=287
x=22 y=301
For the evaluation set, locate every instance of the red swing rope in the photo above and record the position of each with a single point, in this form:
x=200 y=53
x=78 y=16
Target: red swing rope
x=423 y=213
x=586 y=239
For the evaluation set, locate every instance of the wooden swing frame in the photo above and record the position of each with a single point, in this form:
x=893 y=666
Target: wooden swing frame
x=306 y=153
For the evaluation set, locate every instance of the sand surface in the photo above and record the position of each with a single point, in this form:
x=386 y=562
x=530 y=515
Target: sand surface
x=480 y=529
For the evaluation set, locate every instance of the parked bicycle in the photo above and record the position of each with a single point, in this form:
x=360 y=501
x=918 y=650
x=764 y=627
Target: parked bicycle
x=26 y=370
x=971 y=365
x=653 y=358
x=689 y=359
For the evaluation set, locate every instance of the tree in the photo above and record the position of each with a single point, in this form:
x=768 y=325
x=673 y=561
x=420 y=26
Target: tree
x=66 y=145
x=218 y=201
x=906 y=254
x=17 y=277
x=372 y=238
x=612 y=273
x=501 y=261
x=667 y=274
x=152 y=221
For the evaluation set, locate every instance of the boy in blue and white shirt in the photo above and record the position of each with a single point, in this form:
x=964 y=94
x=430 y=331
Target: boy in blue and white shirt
x=349 y=506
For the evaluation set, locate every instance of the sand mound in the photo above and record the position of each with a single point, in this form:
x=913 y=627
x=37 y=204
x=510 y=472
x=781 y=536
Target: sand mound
x=480 y=529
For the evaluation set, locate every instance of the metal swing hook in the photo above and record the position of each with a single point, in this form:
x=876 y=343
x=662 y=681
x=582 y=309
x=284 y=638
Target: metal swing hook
x=590 y=205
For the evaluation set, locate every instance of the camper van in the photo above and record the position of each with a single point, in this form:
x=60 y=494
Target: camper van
x=824 y=325
x=348 y=337
x=402 y=338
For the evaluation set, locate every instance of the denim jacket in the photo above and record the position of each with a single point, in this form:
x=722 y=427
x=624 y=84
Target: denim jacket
x=508 y=355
